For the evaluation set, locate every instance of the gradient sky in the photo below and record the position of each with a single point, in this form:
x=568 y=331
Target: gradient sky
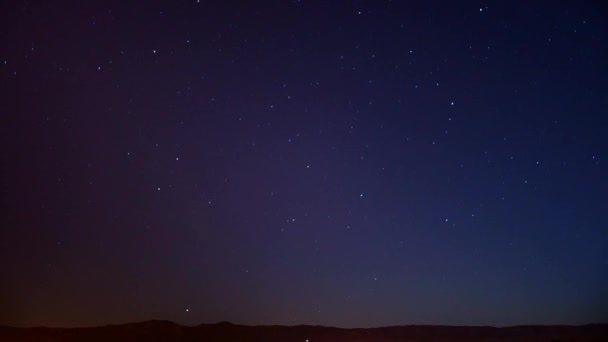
x=345 y=163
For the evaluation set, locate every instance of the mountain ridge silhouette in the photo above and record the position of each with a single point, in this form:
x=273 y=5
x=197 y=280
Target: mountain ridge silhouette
x=163 y=330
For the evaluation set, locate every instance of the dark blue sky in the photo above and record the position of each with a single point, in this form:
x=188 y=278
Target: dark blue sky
x=345 y=163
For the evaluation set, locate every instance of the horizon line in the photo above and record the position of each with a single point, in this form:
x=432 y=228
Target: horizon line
x=299 y=325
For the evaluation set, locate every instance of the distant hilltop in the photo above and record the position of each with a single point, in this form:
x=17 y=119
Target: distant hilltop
x=226 y=331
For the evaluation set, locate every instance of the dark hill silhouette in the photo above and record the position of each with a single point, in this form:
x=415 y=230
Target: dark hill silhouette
x=225 y=331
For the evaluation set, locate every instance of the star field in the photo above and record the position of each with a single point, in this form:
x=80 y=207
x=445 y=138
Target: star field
x=343 y=163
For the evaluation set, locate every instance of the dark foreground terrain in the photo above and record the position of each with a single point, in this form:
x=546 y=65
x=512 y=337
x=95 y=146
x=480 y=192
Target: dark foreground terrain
x=168 y=331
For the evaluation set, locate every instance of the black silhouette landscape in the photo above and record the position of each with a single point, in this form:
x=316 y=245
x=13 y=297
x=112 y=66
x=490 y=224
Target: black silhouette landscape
x=169 y=331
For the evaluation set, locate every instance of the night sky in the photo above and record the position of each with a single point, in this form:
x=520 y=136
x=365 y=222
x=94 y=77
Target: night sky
x=344 y=163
